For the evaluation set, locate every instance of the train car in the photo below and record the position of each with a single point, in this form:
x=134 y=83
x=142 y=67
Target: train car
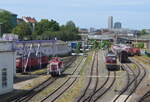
x=44 y=60
x=30 y=62
x=55 y=66
x=122 y=47
x=22 y=61
x=136 y=51
x=122 y=52
x=128 y=49
x=123 y=56
x=111 y=60
x=131 y=50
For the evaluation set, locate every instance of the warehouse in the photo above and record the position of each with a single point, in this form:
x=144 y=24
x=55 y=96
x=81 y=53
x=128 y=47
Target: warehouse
x=7 y=66
x=48 y=47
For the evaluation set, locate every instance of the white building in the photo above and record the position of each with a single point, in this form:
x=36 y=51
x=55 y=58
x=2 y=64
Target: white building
x=7 y=66
x=110 y=22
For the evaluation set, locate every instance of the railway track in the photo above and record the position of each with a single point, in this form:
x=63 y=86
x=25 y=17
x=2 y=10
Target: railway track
x=82 y=98
x=105 y=87
x=97 y=93
x=132 y=84
x=143 y=74
x=102 y=90
x=63 y=87
x=145 y=96
x=97 y=79
x=30 y=94
x=89 y=98
x=130 y=81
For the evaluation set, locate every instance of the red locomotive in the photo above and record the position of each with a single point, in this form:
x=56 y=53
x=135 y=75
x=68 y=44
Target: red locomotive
x=55 y=66
x=136 y=51
x=30 y=62
x=111 y=60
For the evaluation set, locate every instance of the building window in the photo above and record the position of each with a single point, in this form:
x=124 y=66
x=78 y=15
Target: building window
x=4 y=78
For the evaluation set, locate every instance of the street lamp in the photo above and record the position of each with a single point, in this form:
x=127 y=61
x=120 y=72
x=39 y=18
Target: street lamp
x=1 y=29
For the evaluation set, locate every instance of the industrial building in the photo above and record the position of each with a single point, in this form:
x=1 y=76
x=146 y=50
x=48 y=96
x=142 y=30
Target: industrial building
x=48 y=47
x=7 y=66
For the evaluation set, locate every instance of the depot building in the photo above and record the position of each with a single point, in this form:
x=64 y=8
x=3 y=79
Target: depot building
x=7 y=66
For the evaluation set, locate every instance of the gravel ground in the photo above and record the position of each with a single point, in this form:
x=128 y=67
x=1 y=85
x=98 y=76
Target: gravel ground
x=22 y=87
x=143 y=87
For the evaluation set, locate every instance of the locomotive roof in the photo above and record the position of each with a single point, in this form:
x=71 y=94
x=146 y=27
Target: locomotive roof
x=111 y=54
x=41 y=41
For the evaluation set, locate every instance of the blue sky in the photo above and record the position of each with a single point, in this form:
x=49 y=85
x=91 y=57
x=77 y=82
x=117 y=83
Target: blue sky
x=134 y=14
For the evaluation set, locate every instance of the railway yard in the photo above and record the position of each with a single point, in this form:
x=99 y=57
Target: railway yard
x=86 y=79
x=64 y=52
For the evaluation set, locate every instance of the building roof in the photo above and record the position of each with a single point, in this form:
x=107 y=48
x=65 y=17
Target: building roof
x=6 y=46
x=100 y=37
x=29 y=19
x=20 y=19
x=3 y=10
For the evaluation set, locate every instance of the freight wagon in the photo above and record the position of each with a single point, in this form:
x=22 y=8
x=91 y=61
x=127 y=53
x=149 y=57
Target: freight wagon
x=24 y=63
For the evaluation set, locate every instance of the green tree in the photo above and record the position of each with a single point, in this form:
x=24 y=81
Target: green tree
x=70 y=26
x=143 y=32
x=5 y=19
x=140 y=45
x=46 y=29
x=70 y=31
x=23 y=30
x=46 y=25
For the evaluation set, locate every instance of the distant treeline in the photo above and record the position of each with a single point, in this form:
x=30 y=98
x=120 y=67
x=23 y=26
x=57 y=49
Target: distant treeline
x=43 y=30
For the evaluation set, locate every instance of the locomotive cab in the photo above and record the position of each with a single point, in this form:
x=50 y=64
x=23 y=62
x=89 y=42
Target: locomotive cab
x=55 y=67
x=111 y=60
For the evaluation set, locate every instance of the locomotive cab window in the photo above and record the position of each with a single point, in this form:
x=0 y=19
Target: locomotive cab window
x=4 y=77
